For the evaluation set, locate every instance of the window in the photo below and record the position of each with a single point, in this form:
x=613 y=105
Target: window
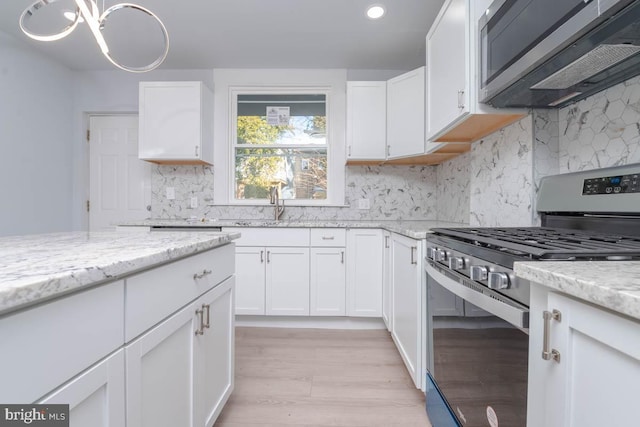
x=280 y=140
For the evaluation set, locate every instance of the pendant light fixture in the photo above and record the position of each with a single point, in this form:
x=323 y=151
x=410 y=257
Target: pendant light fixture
x=87 y=11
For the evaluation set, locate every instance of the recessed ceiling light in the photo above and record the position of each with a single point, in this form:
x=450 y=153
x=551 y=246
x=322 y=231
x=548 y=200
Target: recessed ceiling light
x=375 y=12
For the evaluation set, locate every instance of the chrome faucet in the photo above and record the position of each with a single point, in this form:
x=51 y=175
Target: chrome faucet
x=274 y=195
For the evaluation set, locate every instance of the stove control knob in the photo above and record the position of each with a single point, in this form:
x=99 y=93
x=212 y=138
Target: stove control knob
x=431 y=253
x=441 y=255
x=456 y=263
x=498 y=280
x=479 y=272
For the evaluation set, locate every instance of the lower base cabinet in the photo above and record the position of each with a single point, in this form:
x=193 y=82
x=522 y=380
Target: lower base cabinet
x=96 y=397
x=595 y=380
x=327 y=282
x=180 y=373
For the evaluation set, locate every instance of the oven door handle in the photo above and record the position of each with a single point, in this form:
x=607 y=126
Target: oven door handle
x=480 y=296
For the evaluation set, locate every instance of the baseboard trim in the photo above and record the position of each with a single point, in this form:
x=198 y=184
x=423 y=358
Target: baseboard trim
x=311 y=322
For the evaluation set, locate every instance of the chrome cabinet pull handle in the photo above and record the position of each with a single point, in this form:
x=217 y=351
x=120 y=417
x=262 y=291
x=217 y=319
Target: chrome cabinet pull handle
x=386 y=241
x=548 y=354
x=268 y=257
x=413 y=253
x=261 y=257
x=461 y=98
x=196 y=151
x=207 y=308
x=200 y=331
x=201 y=275
x=342 y=257
x=328 y=237
x=349 y=154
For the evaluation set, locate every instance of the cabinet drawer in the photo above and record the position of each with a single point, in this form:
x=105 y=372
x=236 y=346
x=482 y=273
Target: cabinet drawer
x=335 y=237
x=153 y=295
x=272 y=236
x=44 y=346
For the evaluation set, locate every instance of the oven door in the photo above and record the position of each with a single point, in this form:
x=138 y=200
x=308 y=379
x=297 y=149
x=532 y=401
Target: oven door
x=479 y=355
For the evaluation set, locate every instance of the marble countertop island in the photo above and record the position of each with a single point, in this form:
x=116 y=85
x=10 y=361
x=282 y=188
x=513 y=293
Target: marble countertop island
x=611 y=284
x=413 y=229
x=35 y=268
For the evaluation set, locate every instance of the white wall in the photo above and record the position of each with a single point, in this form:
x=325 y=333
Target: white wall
x=36 y=161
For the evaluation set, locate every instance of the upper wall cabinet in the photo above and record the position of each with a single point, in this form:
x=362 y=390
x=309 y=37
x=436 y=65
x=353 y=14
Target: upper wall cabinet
x=453 y=111
x=366 y=121
x=176 y=123
x=405 y=114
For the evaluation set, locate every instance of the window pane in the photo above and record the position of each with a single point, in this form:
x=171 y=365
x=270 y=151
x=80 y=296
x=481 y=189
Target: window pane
x=282 y=119
x=300 y=173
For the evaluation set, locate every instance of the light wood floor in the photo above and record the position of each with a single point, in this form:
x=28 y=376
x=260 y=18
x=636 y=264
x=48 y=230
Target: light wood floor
x=319 y=377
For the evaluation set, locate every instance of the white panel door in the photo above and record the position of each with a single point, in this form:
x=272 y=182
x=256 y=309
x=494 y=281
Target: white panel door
x=406 y=114
x=120 y=183
x=213 y=374
x=96 y=398
x=364 y=277
x=328 y=280
x=287 y=282
x=250 y=279
x=387 y=292
x=366 y=120
x=158 y=396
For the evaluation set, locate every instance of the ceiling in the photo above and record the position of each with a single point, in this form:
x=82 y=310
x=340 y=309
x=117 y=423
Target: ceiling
x=207 y=34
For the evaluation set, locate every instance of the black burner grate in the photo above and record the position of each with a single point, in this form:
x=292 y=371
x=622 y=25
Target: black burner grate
x=548 y=243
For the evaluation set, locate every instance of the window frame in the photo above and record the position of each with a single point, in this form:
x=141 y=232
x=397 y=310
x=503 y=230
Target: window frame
x=332 y=180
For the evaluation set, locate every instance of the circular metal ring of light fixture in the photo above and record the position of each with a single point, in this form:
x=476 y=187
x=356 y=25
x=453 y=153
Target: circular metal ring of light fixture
x=154 y=64
x=31 y=10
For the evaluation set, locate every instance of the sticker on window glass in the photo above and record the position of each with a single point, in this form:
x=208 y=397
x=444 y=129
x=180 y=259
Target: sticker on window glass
x=492 y=417
x=278 y=116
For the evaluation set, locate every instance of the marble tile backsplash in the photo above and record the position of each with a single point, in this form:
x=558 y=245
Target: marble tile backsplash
x=453 y=189
x=394 y=193
x=602 y=130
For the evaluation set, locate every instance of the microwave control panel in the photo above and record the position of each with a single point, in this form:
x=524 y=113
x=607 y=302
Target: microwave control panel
x=620 y=184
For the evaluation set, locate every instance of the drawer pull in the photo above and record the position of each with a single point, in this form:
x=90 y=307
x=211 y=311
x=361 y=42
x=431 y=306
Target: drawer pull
x=268 y=257
x=547 y=316
x=342 y=257
x=413 y=253
x=328 y=238
x=201 y=275
x=200 y=313
x=261 y=257
x=207 y=307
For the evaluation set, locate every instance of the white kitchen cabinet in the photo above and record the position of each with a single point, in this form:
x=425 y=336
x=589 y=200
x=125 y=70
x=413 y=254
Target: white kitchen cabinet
x=364 y=272
x=160 y=373
x=95 y=397
x=387 y=294
x=366 y=120
x=406 y=114
x=287 y=281
x=453 y=111
x=327 y=281
x=181 y=371
x=176 y=122
x=596 y=380
x=215 y=350
x=408 y=304
x=250 y=279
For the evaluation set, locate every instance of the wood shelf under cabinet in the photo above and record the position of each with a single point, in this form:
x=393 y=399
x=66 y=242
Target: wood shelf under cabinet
x=477 y=126
x=444 y=153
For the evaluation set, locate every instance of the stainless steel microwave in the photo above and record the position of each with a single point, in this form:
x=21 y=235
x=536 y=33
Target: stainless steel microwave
x=550 y=53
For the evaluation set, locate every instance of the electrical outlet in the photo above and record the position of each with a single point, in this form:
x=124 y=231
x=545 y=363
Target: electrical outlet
x=364 y=204
x=194 y=202
x=171 y=193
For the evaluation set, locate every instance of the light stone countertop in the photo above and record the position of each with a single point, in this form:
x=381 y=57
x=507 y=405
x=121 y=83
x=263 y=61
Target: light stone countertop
x=35 y=268
x=413 y=229
x=611 y=284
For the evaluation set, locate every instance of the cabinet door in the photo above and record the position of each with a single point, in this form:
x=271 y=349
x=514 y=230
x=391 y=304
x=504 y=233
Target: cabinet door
x=287 y=281
x=366 y=120
x=364 y=282
x=250 y=279
x=387 y=296
x=327 y=282
x=213 y=375
x=407 y=304
x=597 y=379
x=96 y=397
x=447 y=57
x=406 y=114
x=159 y=367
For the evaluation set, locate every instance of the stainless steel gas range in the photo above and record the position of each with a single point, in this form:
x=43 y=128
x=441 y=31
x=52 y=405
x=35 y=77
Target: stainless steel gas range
x=477 y=372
